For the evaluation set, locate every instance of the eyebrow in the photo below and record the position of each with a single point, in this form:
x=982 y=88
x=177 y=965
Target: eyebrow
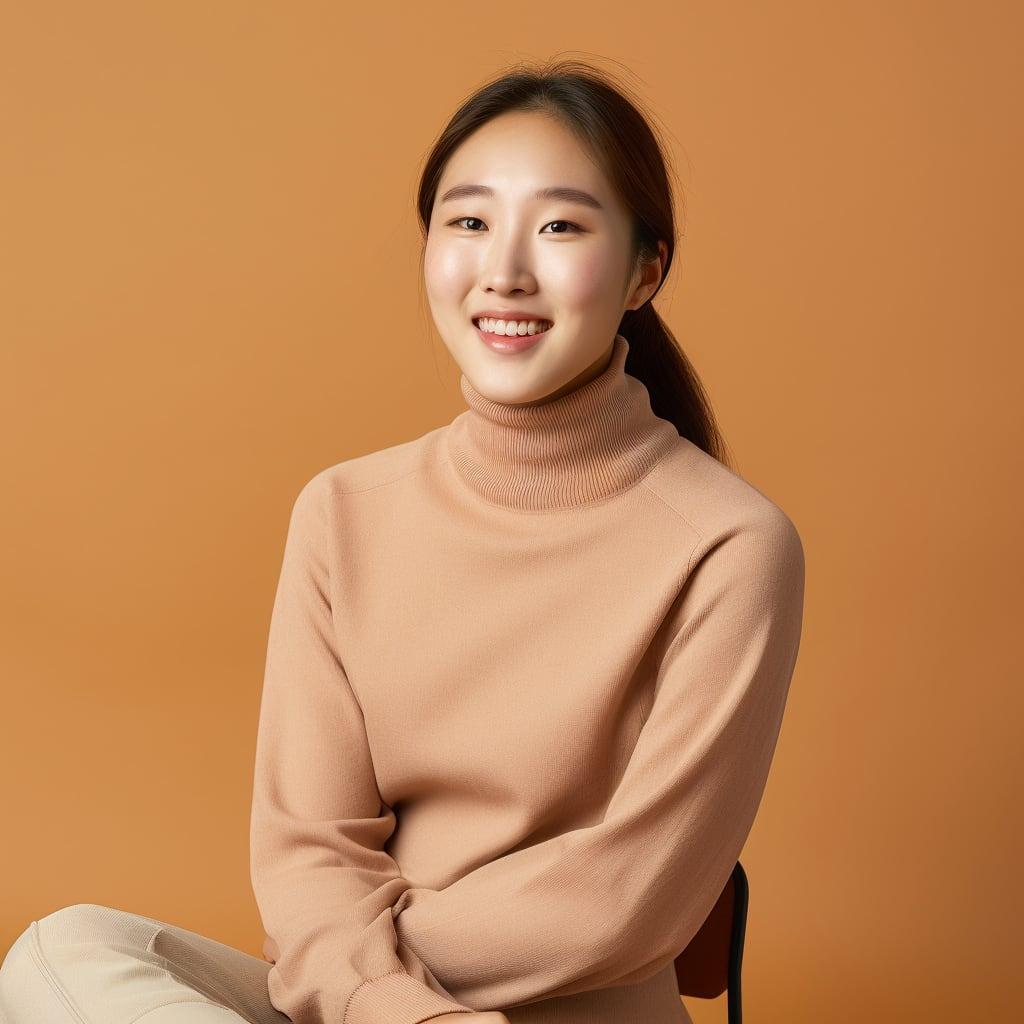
x=563 y=192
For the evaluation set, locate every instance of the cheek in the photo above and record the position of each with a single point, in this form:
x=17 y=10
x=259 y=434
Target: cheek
x=446 y=271
x=587 y=279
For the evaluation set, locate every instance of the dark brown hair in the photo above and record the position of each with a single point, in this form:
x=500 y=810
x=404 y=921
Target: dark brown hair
x=622 y=141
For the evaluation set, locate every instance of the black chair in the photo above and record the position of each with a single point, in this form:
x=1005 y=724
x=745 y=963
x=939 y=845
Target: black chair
x=712 y=962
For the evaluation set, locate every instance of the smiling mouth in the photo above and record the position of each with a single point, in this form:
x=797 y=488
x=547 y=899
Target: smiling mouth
x=539 y=327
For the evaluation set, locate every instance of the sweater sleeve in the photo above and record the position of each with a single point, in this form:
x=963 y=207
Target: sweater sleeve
x=323 y=883
x=615 y=902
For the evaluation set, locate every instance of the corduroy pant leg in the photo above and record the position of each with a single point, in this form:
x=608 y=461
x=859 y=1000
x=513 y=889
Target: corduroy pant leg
x=90 y=964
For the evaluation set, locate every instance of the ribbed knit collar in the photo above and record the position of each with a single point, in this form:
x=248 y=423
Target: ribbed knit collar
x=585 y=445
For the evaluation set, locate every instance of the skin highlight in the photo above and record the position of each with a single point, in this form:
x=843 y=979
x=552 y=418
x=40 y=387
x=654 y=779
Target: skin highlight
x=564 y=260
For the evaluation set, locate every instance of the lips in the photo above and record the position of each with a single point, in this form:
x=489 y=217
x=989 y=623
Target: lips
x=511 y=343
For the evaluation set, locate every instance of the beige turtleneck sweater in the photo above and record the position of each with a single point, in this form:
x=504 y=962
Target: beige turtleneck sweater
x=524 y=681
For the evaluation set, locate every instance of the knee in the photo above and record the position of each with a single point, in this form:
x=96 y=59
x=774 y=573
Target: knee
x=26 y=970
x=80 y=922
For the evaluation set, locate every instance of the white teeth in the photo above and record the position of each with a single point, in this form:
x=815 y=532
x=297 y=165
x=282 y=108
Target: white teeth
x=512 y=327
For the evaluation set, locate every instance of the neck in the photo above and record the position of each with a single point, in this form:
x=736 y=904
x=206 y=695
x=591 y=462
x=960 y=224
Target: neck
x=582 y=446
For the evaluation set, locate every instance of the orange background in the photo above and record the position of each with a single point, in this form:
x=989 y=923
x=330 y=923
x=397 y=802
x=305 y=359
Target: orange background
x=210 y=290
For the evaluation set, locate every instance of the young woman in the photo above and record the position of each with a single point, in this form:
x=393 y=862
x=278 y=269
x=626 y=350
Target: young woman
x=525 y=673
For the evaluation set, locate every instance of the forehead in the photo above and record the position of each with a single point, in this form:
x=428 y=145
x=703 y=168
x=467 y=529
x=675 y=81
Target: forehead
x=524 y=157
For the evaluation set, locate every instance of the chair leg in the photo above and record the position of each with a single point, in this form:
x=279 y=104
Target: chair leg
x=741 y=899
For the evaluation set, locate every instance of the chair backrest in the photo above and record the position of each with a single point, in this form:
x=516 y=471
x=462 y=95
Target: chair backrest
x=711 y=962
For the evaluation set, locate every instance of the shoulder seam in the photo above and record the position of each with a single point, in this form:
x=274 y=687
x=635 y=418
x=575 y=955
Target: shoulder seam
x=700 y=533
x=374 y=487
x=682 y=515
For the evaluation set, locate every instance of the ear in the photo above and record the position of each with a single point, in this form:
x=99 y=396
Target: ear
x=650 y=279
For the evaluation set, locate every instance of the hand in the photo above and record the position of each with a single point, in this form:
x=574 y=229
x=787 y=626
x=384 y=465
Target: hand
x=477 y=1017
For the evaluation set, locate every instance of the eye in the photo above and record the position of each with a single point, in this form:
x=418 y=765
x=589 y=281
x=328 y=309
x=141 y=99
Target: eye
x=575 y=227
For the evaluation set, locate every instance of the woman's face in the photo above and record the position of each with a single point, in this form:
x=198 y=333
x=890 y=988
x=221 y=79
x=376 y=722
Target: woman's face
x=555 y=258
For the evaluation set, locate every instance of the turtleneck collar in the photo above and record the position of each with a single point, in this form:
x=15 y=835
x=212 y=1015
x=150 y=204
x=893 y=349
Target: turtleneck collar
x=585 y=445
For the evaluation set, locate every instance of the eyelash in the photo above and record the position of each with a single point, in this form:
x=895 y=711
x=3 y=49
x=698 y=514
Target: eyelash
x=576 y=227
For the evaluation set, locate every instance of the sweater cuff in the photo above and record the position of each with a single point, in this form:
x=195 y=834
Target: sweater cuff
x=397 y=998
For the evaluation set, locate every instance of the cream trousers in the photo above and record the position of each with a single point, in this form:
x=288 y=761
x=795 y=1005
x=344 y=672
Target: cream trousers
x=89 y=964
